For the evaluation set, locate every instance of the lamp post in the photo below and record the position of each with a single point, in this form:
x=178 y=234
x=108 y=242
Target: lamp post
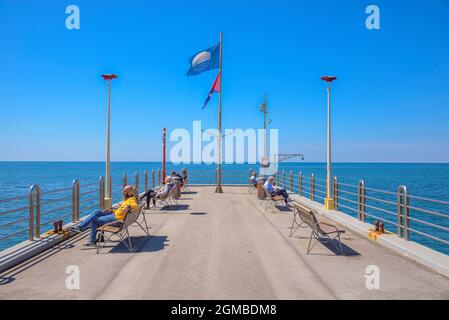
x=107 y=196
x=264 y=162
x=329 y=201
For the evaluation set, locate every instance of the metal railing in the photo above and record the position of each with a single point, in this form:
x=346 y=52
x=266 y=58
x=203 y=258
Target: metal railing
x=424 y=220
x=45 y=207
x=410 y=217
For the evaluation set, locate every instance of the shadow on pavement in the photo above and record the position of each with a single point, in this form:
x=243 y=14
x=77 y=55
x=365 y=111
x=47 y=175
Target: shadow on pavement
x=8 y=276
x=283 y=208
x=178 y=207
x=333 y=245
x=140 y=243
x=198 y=213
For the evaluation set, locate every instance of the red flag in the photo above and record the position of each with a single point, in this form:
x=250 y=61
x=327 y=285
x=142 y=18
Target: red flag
x=215 y=88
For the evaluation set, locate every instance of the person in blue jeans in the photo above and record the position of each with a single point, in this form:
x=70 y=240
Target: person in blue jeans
x=102 y=217
x=277 y=191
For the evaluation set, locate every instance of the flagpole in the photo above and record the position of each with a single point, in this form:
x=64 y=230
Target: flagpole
x=218 y=189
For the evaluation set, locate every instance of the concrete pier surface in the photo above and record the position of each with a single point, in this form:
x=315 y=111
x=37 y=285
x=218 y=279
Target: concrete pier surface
x=221 y=246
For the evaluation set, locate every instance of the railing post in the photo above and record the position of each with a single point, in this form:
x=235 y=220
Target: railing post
x=31 y=213
x=300 y=184
x=34 y=219
x=403 y=212
x=75 y=200
x=158 y=177
x=361 y=201
x=291 y=181
x=146 y=181
x=312 y=187
x=124 y=182
x=137 y=185
x=336 y=193
x=283 y=179
x=153 y=180
x=276 y=178
x=101 y=193
x=110 y=190
x=78 y=201
x=37 y=233
x=406 y=215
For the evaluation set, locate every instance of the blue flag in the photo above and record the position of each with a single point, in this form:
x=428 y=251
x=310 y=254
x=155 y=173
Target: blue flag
x=204 y=60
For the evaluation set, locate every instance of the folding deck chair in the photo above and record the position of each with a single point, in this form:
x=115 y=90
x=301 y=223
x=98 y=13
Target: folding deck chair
x=168 y=199
x=272 y=200
x=119 y=229
x=321 y=230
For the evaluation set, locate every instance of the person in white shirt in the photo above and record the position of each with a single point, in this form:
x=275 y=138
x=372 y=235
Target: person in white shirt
x=277 y=191
x=162 y=191
x=253 y=178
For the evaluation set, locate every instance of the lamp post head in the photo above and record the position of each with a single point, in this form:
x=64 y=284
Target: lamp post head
x=328 y=79
x=109 y=77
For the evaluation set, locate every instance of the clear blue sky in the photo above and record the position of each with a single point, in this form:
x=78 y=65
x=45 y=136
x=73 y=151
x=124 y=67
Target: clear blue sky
x=390 y=104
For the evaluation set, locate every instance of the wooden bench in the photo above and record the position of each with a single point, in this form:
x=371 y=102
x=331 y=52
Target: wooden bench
x=322 y=229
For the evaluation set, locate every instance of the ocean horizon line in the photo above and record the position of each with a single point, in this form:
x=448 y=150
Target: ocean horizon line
x=203 y=163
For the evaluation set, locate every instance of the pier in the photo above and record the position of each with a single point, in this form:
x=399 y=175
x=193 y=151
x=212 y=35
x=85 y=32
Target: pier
x=226 y=246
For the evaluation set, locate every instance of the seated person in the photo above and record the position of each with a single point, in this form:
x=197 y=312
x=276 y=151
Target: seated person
x=253 y=178
x=177 y=179
x=158 y=193
x=101 y=217
x=273 y=190
x=184 y=176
